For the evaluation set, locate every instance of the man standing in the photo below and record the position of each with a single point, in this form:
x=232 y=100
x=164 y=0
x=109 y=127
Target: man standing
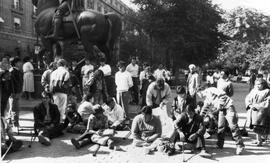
x=226 y=112
x=107 y=71
x=224 y=83
x=133 y=69
x=192 y=83
x=158 y=93
x=59 y=86
x=16 y=88
x=123 y=82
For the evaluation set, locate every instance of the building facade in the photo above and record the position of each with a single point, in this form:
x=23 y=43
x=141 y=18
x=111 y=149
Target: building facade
x=17 y=34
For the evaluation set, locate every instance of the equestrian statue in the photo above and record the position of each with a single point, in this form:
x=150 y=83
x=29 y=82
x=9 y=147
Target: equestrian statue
x=65 y=20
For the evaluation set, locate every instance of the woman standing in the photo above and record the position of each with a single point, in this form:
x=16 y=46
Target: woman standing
x=258 y=117
x=28 y=78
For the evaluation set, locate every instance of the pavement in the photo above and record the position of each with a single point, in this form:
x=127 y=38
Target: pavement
x=62 y=151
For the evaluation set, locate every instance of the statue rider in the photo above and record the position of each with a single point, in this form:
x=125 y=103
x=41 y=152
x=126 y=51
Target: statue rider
x=59 y=14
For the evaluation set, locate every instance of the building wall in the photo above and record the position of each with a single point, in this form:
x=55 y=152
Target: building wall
x=13 y=40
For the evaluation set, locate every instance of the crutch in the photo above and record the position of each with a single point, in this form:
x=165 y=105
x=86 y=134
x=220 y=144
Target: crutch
x=7 y=151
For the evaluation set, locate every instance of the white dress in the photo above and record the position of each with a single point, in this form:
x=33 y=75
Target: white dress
x=28 y=77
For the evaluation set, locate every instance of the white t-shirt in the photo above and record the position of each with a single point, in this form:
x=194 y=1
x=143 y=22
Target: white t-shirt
x=86 y=69
x=123 y=81
x=133 y=70
x=160 y=74
x=116 y=115
x=106 y=69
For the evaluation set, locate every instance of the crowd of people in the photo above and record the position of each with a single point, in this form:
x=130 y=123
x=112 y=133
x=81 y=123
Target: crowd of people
x=95 y=103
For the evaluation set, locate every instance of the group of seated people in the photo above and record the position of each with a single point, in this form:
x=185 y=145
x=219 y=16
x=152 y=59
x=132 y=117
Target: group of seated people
x=98 y=123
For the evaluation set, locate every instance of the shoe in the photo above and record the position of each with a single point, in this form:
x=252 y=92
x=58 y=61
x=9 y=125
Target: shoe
x=203 y=153
x=147 y=151
x=239 y=150
x=219 y=147
x=44 y=140
x=75 y=143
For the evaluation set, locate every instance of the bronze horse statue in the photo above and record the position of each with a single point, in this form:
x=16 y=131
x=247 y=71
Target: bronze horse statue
x=95 y=29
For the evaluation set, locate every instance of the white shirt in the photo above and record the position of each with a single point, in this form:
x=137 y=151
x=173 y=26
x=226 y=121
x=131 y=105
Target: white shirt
x=159 y=74
x=133 y=70
x=106 y=69
x=210 y=79
x=28 y=67
x=85 y=109
x=123 y=81
x=116 y=115
x=86 y=68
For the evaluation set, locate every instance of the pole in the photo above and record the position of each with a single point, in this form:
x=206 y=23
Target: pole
x=74 y=23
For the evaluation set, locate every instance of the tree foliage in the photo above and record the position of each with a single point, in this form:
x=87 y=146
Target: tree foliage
x=248 y=33
x=187 y=29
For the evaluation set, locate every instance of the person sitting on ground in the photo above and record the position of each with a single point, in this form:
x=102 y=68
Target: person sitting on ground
x=85 y=109
x=11 y=142
x=180 y=102
x=47 y=120
x=189 y=127
x=226 y=112
x=97 y=131
x=115 y=114
x=158 y=93
x=73 y=122
x=145 y=128
x=257 y=104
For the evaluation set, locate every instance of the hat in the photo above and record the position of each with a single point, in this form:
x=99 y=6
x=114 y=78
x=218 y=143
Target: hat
x=97 y=109
x=191 y=66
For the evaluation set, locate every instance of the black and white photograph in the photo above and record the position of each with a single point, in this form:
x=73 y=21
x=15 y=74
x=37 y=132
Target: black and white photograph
x=135 y=81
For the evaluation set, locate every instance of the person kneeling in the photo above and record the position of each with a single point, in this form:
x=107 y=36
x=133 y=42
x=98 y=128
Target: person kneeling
x=97 y=130
x=47 y=120
x=115 y=114
x=190 y=128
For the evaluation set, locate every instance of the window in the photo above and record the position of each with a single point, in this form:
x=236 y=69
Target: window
x=90 y=4
x=17 y=23
x=99 y=7
x=17 y=4
x=34 y=10
x=105 y=10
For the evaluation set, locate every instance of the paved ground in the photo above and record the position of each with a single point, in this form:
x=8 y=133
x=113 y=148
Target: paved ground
x=61 y=149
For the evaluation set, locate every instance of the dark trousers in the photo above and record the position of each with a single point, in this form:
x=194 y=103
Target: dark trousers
x=111 y=88
x=229 y=116
x=4 y=102
x=135 y=90
x=51 y=132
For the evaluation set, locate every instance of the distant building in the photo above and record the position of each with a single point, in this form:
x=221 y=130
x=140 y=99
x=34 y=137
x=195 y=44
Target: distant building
x=17 y=34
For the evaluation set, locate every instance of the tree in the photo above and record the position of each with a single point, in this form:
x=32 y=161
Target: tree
x=187 y=29
x=248 y=33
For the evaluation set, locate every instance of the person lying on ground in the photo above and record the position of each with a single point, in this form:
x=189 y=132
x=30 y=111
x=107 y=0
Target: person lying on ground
x=47 y=120
x=226 y=113
x=189 y=127
x=96 y=132
x=115 y=114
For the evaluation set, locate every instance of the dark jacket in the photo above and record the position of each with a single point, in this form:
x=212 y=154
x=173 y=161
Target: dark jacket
x=40 y=113
x=189 y=128
x=16 y=80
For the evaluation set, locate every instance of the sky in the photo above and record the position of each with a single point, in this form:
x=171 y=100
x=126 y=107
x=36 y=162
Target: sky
x=260 y=5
